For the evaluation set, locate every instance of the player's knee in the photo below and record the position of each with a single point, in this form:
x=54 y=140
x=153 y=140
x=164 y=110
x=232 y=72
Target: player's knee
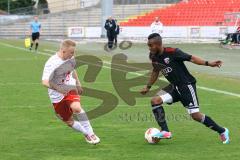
x=76 y=107
x=156 y=100
x=197 y=116
x=69 y=123
x=77 y=110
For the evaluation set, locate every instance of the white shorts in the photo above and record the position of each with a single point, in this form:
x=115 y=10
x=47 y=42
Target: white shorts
x=186 y=94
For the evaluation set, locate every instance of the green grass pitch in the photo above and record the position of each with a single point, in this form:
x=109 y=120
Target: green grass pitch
x=29 y=129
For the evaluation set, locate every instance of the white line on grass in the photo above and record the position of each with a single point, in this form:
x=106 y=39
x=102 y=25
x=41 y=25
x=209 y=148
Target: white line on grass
x=134 y=73
x=24 y=106
x=36 y=84
x=49 y=50
x=17 y=59
x=23 y=49
x=18 y=83
x=200 y=87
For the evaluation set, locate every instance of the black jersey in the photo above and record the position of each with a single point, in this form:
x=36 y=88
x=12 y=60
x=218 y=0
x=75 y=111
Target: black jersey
x=171 y=64
x=110 y=26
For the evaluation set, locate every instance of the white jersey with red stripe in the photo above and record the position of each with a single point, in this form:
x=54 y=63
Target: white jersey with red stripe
x=61 y=73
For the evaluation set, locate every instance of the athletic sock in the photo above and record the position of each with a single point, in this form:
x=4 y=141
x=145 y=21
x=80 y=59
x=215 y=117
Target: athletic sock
x=83 y=120
x=78 y=127
x=36 y=46
x=208 y=122
x=159 y=114
x=31 y=45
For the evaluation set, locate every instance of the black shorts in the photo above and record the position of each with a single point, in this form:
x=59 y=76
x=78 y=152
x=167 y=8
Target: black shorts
x=35 y=36
x=186 y=94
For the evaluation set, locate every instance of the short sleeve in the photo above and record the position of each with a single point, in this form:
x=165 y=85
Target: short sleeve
x=47 y=71
x=182 y=56
x=155 y=64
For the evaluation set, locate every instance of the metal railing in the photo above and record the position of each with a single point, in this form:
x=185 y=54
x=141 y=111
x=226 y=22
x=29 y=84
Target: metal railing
x=62 y=5
x=57 y=23
x=145 y=1
x=51 y=7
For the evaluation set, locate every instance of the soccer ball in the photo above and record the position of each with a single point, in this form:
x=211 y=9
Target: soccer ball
x=149 y=135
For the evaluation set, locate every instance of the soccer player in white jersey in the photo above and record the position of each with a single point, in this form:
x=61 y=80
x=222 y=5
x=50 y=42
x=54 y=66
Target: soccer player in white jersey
x=64 y=89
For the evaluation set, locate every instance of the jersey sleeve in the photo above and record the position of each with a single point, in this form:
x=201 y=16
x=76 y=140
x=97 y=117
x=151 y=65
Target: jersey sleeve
x=179 y=55
x=47 y=71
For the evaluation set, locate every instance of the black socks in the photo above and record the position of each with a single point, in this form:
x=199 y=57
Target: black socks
x=36 y=46
x=159 y=114
x=31 y=46
x=208 y=122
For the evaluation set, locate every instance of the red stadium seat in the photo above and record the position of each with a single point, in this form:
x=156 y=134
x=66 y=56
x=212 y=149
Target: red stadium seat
x=195 y=12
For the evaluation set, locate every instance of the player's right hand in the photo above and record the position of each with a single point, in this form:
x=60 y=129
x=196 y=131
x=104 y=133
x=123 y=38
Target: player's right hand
x=144 y=91
x=215 y=64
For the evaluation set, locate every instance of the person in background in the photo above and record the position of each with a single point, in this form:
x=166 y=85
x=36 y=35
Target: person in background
x=117 y=30
x=236 y=36
x=35 y=29
x=110 y=26
x=157 y=26
x=233 y=38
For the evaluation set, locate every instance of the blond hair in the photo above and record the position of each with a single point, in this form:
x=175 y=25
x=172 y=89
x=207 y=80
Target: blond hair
x=68 y=43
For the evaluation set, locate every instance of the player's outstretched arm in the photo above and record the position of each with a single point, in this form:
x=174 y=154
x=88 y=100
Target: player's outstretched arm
x=200 y=61
x=152 y=80
x=47 y=84
x=78 y=83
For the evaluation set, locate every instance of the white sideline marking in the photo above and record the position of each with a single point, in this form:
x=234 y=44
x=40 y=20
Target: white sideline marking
x=51 y=51
x=200 y=87
x=24 y=49
x=139 y=74
x=22 y=84
x=36 y=84
x=17 y=59
x=219 y=91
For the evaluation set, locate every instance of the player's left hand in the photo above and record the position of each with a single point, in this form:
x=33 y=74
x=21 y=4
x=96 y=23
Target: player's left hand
x=215 y=64
x=144 y=91
x=80 y=90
